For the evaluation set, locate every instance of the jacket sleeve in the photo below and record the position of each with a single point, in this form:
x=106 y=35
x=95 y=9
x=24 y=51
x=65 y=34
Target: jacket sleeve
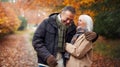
x=38 y=41
x=95 y=38
x=79 y=48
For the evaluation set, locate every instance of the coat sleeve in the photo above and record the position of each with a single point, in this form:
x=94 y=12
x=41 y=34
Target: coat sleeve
x=38 y=41
x=79 y=48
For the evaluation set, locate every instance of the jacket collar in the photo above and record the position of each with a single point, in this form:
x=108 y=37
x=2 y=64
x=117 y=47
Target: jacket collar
x=52 y=19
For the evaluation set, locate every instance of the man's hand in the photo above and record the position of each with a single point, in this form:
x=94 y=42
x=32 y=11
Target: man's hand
x=51 y=61
x=90 y=36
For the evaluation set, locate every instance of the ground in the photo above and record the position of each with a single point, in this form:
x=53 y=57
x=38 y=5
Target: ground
x=17 y=51
x=103 y=61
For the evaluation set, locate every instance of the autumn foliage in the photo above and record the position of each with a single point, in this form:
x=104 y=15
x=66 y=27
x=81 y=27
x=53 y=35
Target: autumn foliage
x=36 y=4
x=9 y=21
x=78 y=5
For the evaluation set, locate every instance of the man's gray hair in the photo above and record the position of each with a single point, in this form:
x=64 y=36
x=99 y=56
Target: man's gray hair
x=88 y=20
x=69 y=8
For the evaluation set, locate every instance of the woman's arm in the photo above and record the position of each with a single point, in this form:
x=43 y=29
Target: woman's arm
x=80 y=47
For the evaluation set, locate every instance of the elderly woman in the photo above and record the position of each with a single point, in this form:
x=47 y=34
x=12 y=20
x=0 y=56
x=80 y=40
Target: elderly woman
x=80 y=49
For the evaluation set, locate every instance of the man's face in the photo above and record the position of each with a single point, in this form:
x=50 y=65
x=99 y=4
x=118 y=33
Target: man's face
x=67 y=17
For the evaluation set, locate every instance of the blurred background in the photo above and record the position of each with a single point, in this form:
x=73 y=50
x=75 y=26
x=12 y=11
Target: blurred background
x=20 y=18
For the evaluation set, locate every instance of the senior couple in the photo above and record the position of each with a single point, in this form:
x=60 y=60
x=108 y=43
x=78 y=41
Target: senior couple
x=60 y=43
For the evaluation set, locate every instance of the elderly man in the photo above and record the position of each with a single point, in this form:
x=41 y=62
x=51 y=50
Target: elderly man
x=52 y=34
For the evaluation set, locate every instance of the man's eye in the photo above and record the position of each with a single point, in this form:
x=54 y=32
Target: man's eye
x=79 y=20
x=69 y=19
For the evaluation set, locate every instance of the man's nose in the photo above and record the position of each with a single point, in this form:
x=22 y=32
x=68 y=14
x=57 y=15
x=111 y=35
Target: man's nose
x=68 y=21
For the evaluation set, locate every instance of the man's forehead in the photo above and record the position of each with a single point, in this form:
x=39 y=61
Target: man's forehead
x=69 y=14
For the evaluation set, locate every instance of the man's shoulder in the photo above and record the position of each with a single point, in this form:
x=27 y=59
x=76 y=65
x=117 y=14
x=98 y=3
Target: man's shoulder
x=53 y=14
x=51 y=17
x=45 y=21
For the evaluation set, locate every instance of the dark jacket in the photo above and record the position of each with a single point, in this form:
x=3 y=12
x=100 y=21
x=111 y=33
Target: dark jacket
x=45 y=40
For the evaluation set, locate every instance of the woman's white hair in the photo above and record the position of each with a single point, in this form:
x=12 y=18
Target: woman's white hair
x=88 y=20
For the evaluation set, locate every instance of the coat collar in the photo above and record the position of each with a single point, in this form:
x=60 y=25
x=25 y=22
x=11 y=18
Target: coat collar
x=52 y=19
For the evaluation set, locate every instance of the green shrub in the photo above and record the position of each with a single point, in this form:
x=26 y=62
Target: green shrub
x=23 y=23
x=107 y=18
x=108 y=48
x=4 y=0
x=107 y=24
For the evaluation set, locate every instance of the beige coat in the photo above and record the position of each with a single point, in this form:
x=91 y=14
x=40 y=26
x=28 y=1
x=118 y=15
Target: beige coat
x=80 y=53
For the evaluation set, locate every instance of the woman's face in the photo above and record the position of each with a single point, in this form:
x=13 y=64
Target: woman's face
x=81 y=23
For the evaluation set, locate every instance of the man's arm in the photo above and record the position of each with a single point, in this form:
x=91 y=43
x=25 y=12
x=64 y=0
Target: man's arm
x=79 y=48
x=38 y=41
x=91 y=36
x=39 y=45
